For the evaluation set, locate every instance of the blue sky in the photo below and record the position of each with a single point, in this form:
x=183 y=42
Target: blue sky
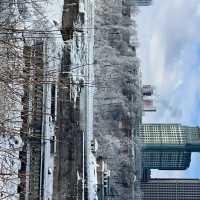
x=169 y=35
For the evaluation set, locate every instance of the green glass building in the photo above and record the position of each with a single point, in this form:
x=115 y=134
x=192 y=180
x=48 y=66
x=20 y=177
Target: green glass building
x=168 y=146
x=170 y=137
x=171 y=189
x=166 y=160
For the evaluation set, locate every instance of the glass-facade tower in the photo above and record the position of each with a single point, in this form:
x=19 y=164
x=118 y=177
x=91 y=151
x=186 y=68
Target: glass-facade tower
x=170 y=136
x=168 y=146
x=166 y=160
x=171 y=189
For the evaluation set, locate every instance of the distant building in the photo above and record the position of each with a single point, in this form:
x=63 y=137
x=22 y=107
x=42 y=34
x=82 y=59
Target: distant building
x=166 y=160
x=148 y=98
x=147 y=90
x=148 y=105
x=170 y=136
x=139 y=2
x=168 y=146
x=171 y=189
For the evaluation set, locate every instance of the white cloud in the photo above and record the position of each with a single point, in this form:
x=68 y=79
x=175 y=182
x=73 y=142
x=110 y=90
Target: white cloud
x=169 y=35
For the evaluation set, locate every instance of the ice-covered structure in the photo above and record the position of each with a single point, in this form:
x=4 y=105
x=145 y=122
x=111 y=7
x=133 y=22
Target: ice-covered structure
x=117 y=100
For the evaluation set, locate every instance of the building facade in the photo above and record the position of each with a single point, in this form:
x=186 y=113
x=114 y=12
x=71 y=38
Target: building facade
x=166 y=160
x=168 y=146
x=170 y=137
x=148 y=98
x=171 y=189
